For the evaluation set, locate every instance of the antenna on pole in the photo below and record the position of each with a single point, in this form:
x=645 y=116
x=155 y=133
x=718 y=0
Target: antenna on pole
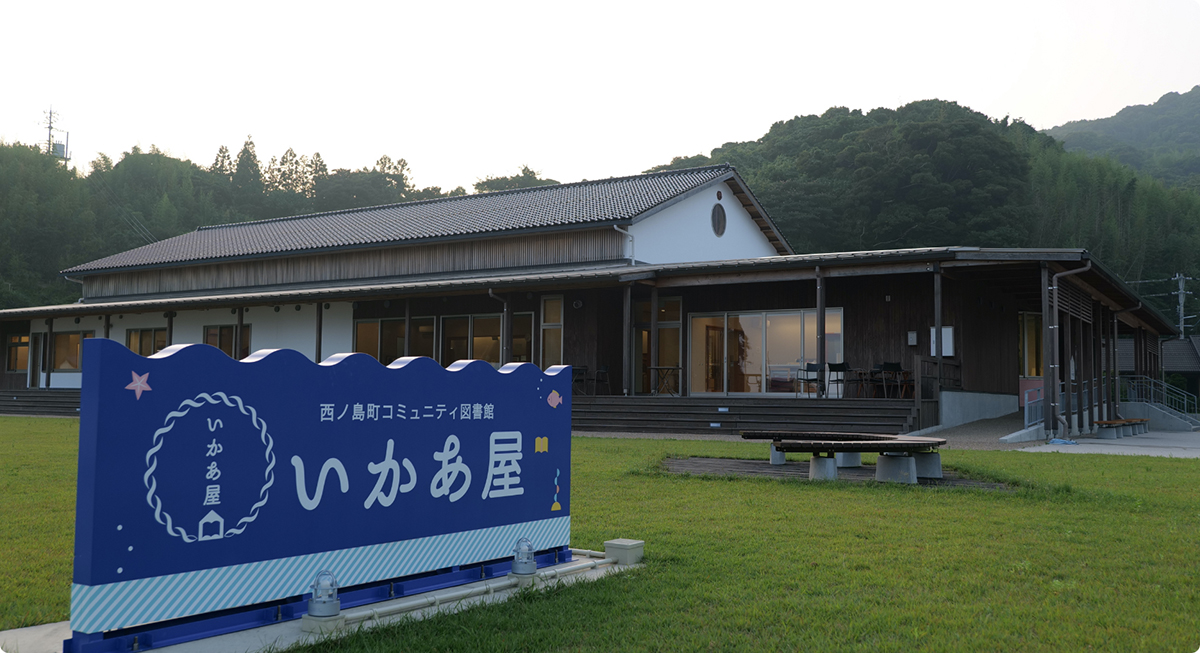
x=56 y=149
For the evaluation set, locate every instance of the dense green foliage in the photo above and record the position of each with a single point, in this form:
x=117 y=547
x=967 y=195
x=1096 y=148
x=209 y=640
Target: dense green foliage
x=53 y=218
x=1162 y=139
x=1098 y=554
x=527 y=178
x=935 y=173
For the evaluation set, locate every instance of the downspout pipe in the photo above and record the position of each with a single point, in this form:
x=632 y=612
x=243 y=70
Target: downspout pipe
x=1059 y=418
x=626 y=232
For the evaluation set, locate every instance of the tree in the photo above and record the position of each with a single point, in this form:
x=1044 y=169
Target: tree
x=527 y=178
x=248 y=181
x=222 y=166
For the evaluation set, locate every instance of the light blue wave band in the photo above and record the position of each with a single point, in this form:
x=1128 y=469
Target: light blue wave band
x=96 y=608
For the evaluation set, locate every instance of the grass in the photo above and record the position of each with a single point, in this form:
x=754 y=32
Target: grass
x=1091 y=553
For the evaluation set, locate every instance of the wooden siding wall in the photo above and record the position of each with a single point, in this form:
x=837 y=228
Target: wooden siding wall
x=491 y=253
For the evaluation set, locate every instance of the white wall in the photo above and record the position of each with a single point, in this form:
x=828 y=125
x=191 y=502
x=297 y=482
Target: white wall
x=287 y=329
x=683 y=232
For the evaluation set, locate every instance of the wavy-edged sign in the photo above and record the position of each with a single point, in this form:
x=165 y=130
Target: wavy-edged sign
x=207 y=483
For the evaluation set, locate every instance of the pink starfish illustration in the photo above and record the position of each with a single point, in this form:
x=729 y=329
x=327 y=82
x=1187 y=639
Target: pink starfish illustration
x=139 y=384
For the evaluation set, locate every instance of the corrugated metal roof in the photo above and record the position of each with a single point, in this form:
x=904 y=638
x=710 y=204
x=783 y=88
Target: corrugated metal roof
x=564 y=205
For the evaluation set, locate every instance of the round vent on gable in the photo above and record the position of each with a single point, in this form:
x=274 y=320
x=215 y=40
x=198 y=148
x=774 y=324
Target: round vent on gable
x=718 y=220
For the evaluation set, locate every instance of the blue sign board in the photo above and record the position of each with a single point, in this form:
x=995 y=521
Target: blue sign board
x=207 y=483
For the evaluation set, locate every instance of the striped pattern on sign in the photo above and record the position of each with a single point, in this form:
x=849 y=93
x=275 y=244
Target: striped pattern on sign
x=131 y=603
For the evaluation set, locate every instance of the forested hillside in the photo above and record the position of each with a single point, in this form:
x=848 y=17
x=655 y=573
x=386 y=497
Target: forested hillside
x=1161 y=139
x=928 y=173
x=52 y=218
x=935 y=173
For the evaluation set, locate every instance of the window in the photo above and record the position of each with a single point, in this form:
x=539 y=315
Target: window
x=552 y=331
x=477 y=337
x=146 y=342
x=221 y=337
x=756 y=352
x=1029 y=344
x=68 y=350
x=646 y=379
x=718 y=220
x=384 y=339
x=18 y=353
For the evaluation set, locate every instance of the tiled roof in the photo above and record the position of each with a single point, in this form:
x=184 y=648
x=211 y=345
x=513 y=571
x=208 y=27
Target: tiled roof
x=564 y=205
x=1177 y=355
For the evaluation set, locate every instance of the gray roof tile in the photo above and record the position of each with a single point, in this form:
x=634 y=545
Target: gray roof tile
x=563 y=205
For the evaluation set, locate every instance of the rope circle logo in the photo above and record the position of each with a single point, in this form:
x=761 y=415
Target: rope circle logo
x=194 y=472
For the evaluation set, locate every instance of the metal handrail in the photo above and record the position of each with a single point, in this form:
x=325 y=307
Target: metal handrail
x=1151 y=390
x=1034 y=407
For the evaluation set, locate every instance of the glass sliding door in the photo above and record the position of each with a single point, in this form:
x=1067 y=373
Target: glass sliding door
x=744 y=352
x=758 y=352
x=785 y=352
x=707 y=361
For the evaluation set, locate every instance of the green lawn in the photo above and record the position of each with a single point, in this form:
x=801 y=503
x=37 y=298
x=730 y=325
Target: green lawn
x=1091 y=553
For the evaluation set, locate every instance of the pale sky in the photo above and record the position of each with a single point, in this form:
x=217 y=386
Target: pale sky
x=574 y=90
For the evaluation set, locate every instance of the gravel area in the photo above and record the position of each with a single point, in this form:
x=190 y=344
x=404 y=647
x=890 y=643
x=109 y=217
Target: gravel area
x=984 y=434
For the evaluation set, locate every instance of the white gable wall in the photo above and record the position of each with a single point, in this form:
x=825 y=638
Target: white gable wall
x=682 y=232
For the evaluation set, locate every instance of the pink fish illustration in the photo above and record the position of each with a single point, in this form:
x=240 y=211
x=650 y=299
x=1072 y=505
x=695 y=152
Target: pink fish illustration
x=554 y=399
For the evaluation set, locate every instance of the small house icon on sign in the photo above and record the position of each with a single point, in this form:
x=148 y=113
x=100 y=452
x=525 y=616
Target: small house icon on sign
x=215 y=533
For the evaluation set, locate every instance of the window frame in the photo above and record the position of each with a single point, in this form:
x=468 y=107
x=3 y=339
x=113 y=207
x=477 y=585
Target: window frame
x=83 y=335
x=249 y=334
x=543 y=326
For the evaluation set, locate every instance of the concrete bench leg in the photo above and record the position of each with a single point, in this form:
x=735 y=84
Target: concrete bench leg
x=928 y=465
x=1144 y=427
x=890 y=468
x=1109 y=432
x=822 y=469
x=848 y=459
x=777 y=456
x=1126 y=431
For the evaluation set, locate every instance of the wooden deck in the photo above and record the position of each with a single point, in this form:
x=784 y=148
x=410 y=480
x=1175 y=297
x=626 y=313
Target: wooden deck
x=799 y=471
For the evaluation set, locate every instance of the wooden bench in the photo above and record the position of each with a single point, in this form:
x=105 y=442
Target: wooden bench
x=902 y=458
x=1111 y=429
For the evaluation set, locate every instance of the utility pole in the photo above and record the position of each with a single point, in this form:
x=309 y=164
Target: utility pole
x=56 y=150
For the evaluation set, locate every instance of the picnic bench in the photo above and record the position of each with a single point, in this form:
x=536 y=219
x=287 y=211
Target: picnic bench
x=1112 y=429
x=902 y=458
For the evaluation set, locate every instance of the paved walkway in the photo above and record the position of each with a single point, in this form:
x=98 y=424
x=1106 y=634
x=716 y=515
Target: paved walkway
x=1167 y=444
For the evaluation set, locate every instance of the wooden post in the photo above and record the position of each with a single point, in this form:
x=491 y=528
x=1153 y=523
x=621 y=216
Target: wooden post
x=917 y=383
x=653 y=340
x=407 y=327
x=1068 y=387
x=170 y=328
x=821 y=334
x=1080 y=372
x=1048 y=353
x=49 y=349
x=107 y=325
x=626 y=334
x=320 y=312
x=1116 y=370
x=237 y=334
x=937 y=332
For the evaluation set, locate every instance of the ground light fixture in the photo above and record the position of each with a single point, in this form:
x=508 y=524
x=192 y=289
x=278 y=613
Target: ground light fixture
x=324 y=608
x=524 y=563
